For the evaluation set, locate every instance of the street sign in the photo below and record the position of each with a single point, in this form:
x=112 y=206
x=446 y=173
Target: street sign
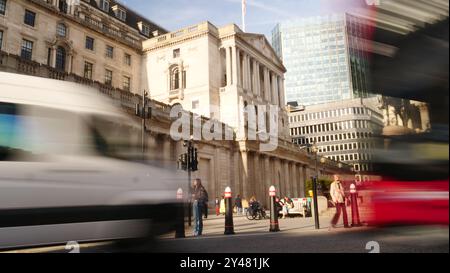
x=228 y=192
x=272 y=191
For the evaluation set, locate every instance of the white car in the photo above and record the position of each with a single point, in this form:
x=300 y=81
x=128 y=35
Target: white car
x=65 y=173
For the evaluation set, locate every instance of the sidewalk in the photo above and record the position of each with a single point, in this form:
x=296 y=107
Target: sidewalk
x=215 y=226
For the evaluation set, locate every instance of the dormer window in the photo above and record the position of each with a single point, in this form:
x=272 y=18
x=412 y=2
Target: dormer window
x=104 y=5
x=121 y=14
x=145 y=29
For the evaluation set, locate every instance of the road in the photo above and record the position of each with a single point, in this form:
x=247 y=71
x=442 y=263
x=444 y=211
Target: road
x=297 y=236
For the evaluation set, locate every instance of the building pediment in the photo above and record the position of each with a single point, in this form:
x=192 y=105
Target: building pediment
x=260 y=43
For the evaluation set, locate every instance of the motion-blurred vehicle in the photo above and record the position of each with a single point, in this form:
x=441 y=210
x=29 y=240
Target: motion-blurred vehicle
x=67 y=170
x=414 y=188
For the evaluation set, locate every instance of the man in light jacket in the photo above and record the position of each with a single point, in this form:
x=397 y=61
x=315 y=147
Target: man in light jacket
x=338 y=196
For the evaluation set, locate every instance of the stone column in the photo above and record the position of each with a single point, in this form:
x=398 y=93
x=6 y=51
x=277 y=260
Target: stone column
x=235 y=65
x=288 y=178
x=274 y=90
x=53 y=57
x=257 y=86
x=228 y=60
x=257 y=176
x=69 y=63
x=249 y=74
x=245 y=175
x=294 y=179
x=254 y=78
x=268 y=92
x=245 y=71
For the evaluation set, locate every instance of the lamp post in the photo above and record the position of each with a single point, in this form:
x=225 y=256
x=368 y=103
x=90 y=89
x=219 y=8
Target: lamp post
x=189 y=162
x=316 y=209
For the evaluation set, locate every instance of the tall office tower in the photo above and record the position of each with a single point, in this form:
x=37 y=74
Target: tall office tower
x=325 y=58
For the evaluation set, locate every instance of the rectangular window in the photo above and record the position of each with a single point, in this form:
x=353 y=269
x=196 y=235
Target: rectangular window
x=90 y=43
x=176 y=53
x=127 y=59
x=104 y=4
x=27 y=49
x=88 y=68
x=2 y=7
x=30 y=18
x=126 y=83
x=121 y=14
x=146 y=30
x=108 y=77
x=109 y=51
x=1 y=38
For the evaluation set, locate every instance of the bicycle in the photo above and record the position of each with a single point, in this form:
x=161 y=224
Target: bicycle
x=253 y=213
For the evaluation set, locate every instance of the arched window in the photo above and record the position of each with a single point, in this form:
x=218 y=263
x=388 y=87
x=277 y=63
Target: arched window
x=174 y=78
x=60 y=58
x=61 y=30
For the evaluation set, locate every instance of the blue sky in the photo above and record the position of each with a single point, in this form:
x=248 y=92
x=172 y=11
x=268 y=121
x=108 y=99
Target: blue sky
x=262 y=15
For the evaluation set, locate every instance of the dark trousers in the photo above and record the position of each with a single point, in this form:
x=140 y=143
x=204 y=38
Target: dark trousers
x=340 y=207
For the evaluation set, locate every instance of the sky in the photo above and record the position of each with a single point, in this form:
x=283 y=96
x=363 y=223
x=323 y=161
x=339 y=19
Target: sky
x=262 y=15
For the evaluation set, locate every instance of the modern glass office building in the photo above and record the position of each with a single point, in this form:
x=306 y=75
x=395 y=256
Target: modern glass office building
x=325 y=58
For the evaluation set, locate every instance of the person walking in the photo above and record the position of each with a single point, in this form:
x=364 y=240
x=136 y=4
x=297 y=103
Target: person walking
x=222 y=205
x=338 y=196
x=199 y=198
x=217 y=203
x=287 y=205
x=238 y=204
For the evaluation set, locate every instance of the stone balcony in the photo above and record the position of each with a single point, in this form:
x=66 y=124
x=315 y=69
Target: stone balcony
x=183 y=33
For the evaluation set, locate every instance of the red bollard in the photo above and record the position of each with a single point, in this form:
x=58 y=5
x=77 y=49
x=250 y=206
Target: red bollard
x=179 y=225
x=274 y=227
x=229 y=226
x=355 y=210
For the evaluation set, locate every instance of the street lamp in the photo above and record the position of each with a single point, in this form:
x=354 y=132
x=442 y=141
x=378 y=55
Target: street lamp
x=315 y=150
x=189 y=162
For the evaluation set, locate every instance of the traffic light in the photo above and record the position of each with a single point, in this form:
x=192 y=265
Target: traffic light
x=182 y=162
x=194 y=165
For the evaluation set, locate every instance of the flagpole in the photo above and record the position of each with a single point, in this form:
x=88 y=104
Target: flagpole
x=244 y=10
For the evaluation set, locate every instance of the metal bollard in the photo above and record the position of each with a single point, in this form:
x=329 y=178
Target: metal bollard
x=355 y=211
x=229 y=226
x=179 y=225
x=274 y=227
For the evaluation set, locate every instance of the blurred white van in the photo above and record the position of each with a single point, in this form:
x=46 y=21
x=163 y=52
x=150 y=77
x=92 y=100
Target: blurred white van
x=66 y=172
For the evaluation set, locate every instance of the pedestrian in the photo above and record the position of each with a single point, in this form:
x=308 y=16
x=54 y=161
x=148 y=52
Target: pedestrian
x=338 y=196
x=217 y=203
x=287 y=205
x=222 y=205
x=245 y=205
x=278 y=205
x=205 y=209
x=238 y=204
x=199 y=198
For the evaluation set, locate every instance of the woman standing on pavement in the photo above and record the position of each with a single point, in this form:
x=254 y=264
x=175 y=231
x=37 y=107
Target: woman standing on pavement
x=217 y=203
x=199 y=198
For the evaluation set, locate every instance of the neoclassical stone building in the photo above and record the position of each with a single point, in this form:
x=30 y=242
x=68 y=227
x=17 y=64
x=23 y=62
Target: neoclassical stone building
x=216 y=72
x=98 y=40
x=109 y=47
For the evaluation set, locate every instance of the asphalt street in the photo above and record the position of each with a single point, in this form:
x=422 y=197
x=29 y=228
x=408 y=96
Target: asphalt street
x=297 y=235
